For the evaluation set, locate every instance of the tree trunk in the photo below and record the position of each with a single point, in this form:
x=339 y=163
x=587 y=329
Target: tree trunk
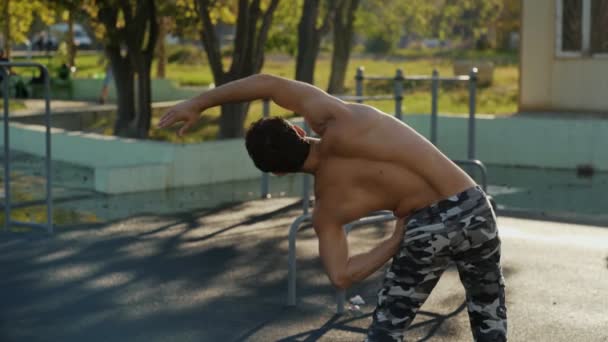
x=308 y=42
x=125 y=92
x=232 y=120
x=247 y=58
x=6 y=32
x=70 y=38
x=161 y=52
x=144 y=99
x=343 y=39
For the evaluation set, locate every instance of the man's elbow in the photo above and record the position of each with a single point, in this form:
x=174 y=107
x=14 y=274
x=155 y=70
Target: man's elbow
x=341 y=281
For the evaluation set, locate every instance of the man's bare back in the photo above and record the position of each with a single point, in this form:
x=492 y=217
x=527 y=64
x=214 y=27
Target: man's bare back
x=371 y=161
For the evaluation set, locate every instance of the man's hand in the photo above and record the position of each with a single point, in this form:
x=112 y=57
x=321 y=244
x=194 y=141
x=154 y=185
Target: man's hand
x=184 y=112
x=399 y=229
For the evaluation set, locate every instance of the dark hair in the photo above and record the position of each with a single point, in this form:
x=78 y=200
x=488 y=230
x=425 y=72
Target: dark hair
x=275 y=146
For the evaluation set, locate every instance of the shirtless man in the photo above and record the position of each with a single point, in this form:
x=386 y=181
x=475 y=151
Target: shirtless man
x=366 y=161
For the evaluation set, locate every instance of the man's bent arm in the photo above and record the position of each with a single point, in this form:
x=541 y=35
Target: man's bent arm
x=344 y=270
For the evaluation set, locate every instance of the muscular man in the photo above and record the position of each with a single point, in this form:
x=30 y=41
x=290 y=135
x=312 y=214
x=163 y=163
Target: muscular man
x=366 y=161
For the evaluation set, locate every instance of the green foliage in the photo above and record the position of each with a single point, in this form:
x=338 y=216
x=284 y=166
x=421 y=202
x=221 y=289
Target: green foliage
x=283 y=34
x=453 y=18
x=22 y=14
x=183 y=18
x=385 y=24
x=186 y=55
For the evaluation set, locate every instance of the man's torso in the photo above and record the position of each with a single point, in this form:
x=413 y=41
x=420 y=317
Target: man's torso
x=371 y=161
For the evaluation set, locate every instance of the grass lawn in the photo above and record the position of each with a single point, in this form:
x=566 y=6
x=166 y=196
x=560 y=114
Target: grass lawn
x=15 y=105
x=500 y=98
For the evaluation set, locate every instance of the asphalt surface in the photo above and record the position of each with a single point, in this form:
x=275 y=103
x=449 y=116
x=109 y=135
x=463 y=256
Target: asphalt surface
x=220 y=275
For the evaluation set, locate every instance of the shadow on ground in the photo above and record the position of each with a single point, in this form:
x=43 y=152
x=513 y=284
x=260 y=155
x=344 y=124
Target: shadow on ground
x=205 y=275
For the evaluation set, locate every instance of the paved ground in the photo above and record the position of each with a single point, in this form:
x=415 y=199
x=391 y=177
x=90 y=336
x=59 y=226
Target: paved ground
x=220 y=275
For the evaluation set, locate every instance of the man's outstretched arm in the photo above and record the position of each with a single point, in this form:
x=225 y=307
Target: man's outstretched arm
x=315 y=105
x=344 y=270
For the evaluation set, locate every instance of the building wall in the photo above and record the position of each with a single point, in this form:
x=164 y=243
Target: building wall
x=551 y=83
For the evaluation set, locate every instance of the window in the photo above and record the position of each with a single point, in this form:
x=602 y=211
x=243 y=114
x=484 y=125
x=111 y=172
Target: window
x=599 y=26
x=582 y=28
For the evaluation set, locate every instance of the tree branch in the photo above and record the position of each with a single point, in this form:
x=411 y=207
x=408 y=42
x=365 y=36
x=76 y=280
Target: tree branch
x=263 y=35
x=330 y=15
x=210 y=42
x=240 y=38
x=153 y=33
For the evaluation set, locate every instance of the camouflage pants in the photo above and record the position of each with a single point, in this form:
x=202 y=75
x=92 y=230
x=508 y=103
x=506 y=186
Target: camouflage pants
x=461 y=230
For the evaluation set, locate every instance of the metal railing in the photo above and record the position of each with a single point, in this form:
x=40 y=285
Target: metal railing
x=386 y=216
x=4 y=67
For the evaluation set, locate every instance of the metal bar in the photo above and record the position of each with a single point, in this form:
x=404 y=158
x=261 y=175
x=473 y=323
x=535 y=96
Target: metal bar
x=360 y=99
x=340 y=300
x=306 y=183
x=265 y=176
x=420 y=78
x=442 y=79
x=47 y=97
x=379 y=78
x=398 y=85
x=28 y=224
x=49 y=172
x=482 y=168
x=359 y=83
x=291 y=258
x=434 y=95
x=472 y=102
x=7 y=183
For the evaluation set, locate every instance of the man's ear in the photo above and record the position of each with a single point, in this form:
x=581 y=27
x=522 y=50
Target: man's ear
x=301 y=132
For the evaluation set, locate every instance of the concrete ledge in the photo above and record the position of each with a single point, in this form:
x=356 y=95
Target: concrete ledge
x=88 y=89
x=523 y=141
x=129 y=165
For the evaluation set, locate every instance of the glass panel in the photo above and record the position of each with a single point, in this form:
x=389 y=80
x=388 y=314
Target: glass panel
x=572 y=33
x=599 y=26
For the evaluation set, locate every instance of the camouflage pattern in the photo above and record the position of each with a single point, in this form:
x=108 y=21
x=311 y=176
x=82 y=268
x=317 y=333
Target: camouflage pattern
x=460 y=230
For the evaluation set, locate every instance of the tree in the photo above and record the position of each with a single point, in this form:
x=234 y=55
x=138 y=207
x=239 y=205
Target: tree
x=342 y=45
x=131 y=29
x=252 y=25
x=283 y=34
x=67 y=10
x=175 y=17
x=383 y=26
x=309 y=36
x=467 y=19
x=16 y=19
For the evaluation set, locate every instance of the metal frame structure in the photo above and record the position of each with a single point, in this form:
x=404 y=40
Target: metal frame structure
x=386 y=216
x=7 y=165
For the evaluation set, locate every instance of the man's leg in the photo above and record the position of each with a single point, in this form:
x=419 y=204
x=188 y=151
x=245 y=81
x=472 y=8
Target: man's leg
x=481 y=275
x=415 y=271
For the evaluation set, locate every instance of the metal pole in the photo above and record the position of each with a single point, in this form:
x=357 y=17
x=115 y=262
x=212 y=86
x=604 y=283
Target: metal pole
x=291 y=259
x=306 y=183
x=434 y=95
x=7 y=185
x=359 y=83
x=398 y=85
x=340 y=300
x=472 y=102
x=265 y=181
x=49 y=173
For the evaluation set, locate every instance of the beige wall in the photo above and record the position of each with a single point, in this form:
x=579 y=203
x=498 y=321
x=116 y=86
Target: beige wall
x=556 y=83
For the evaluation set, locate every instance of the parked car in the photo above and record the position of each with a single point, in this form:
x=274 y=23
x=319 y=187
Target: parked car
x=51 y=38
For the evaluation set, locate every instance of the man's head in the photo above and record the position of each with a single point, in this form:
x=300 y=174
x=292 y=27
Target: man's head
x=277 y=146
